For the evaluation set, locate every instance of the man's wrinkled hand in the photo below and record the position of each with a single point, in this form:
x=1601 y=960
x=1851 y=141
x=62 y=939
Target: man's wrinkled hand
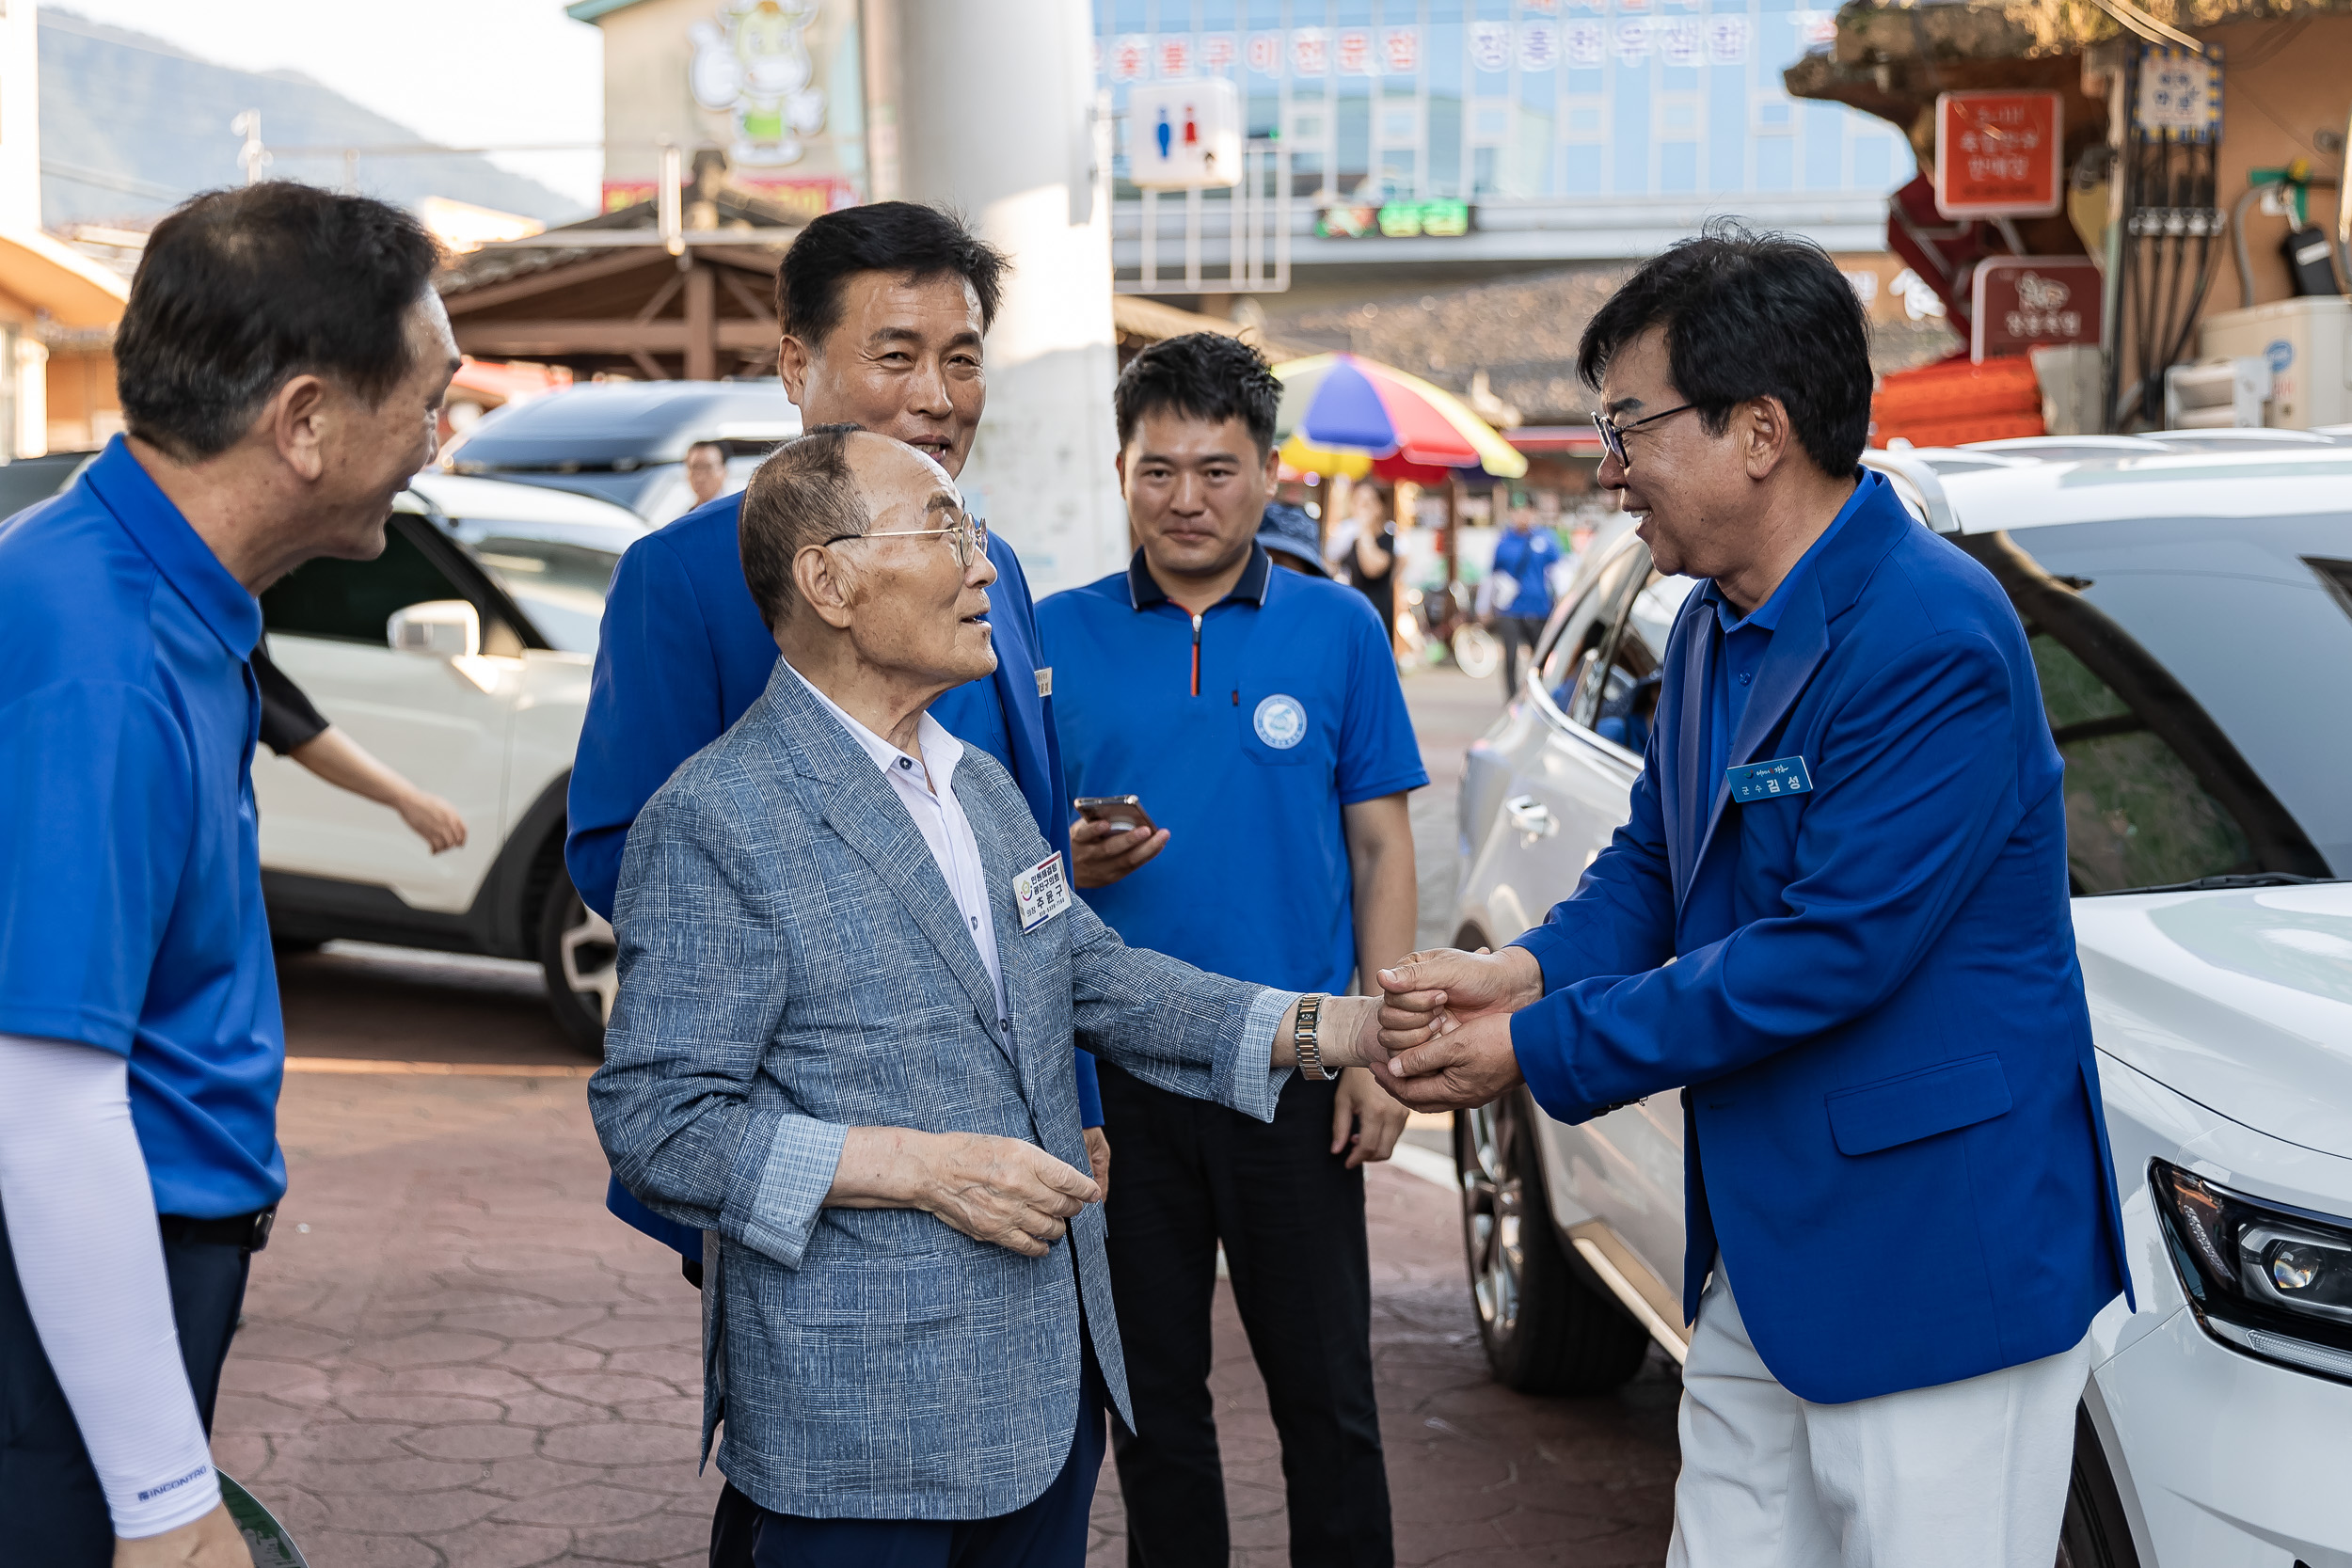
x=1366 y=1120
x=1424 y=990
x=212 y=1542
x=1002 y=1190
x=1101 y=854
x=1464 y=1066
x=1098 y=1156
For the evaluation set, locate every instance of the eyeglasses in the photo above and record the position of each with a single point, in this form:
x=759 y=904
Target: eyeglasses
x=968 y=538
x=1613 y=435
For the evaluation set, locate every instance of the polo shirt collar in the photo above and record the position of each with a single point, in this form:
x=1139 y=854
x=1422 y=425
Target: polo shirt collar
x=1765 y=616
x=1144 y=591
x=188 y=564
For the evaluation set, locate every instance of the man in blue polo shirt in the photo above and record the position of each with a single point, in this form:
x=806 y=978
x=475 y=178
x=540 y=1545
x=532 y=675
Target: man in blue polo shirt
x=1257 y=714
x=281 y=363
x=1522 y=575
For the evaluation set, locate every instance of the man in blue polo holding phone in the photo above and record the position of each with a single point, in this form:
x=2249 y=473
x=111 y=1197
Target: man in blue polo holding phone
x=1255 y=712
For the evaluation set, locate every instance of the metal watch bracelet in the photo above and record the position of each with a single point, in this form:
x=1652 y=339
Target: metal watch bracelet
x=1305 y=1045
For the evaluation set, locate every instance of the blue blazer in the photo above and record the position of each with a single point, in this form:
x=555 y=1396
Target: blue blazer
x=684 y=654
x=1892 y=1123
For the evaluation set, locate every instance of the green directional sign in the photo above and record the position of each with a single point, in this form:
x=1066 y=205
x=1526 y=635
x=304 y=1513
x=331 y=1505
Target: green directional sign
x=1438 y=219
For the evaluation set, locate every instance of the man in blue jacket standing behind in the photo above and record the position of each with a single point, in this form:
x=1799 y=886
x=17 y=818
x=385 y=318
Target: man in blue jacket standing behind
x=1838 y=921
x=884 y=308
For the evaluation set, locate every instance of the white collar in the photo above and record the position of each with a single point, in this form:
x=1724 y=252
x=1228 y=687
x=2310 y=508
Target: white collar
x=941 y=750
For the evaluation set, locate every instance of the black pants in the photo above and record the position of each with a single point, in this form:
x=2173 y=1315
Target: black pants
x=53 y=1513
x=1516 y=633
x=1186 y=1175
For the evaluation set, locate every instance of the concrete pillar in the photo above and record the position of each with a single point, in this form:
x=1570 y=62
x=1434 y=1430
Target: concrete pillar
x=996 y=118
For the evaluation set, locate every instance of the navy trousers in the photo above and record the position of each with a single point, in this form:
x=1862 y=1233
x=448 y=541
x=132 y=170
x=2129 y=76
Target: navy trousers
x=53 y=1513
x=1050 y=1532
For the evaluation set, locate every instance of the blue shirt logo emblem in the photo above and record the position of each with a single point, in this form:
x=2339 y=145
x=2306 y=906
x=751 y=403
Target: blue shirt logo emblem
x=1280 y=722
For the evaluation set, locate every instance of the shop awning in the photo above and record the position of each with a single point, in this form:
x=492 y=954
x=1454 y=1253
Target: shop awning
x=55 y=277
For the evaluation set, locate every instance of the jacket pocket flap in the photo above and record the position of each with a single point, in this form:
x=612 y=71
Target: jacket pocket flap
x=1919 y=1105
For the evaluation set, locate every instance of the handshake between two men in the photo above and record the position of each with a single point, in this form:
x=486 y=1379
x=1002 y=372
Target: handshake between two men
x=1438 y=1039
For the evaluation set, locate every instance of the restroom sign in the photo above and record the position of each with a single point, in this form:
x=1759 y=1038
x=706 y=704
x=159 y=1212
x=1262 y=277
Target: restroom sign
x=1183 y=135
x=1997 y=154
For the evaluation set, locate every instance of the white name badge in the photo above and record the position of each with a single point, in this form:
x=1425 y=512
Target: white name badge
x=1040 y=893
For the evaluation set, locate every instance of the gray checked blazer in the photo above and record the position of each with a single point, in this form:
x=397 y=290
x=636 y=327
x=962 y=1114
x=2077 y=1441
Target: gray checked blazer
x=792 y=965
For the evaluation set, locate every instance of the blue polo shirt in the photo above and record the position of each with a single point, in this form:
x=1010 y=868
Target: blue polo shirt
x=1527 y=560
x=1741 y=641
x=131 y=914
x=1243 y=734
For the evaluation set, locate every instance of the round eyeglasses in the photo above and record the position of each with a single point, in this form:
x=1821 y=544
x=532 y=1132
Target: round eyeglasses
x=968 y=538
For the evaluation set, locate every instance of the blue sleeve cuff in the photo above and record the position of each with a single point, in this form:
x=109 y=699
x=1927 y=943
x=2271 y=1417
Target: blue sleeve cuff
x=1543 y=1059
x=683 y=1239
x=1550 y=947
x=793 y=1182
x=1089 y=1088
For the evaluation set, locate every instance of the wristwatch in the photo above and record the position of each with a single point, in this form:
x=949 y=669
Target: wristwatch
x=1304 y=1045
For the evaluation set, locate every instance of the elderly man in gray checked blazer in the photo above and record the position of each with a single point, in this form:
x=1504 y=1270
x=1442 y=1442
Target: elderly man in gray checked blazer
x=851 y=976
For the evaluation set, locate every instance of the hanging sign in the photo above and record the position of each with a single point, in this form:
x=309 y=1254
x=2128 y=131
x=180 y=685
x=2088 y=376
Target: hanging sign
x=2028 y=302
x=1184 y=135
x=1996 y=155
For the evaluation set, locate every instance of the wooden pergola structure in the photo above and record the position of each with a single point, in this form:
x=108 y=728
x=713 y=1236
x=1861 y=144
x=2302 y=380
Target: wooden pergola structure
x=616 y=293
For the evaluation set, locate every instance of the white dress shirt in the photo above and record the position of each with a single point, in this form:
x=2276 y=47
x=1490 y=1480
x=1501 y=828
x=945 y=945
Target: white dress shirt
x=925 y=785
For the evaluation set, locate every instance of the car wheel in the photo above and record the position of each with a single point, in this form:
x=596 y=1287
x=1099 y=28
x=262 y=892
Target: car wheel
x=1546 y=1329
x=578 y=952
x=2095 y=1533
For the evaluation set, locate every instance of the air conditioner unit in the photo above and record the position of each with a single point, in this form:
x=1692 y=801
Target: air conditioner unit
x=2308 y=345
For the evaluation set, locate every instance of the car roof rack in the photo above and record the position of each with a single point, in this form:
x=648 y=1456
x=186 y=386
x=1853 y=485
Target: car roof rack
x=1925 y=486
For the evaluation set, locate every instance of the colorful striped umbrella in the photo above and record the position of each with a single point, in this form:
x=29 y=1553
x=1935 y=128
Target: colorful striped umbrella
x=1345 y=415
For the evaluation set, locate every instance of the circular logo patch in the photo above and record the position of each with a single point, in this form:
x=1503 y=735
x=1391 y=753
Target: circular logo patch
x=1280 y=722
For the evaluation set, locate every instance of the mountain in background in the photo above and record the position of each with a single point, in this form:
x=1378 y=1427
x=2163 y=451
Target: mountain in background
x=131 y=126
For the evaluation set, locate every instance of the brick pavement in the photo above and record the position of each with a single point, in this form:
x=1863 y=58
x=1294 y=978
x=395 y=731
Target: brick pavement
x=454 y=1358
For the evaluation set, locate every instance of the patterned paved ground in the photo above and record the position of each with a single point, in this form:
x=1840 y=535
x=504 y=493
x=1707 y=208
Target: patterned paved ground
x=462 y=1362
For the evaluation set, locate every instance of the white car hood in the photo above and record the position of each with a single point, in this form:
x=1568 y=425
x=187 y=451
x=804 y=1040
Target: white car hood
x=2242 y=1001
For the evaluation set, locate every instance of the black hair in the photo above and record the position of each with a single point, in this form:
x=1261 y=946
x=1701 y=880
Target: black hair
x=905 y=239
x=1749 y=316
x=717 y=446
x=1204 y=375
x=239 y=291
x=803 y=495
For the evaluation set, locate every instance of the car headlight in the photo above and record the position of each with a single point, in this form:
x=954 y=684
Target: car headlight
x=2265 y=1278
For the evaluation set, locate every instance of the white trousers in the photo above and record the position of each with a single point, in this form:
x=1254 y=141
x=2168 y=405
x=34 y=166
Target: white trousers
x=1970 y=1474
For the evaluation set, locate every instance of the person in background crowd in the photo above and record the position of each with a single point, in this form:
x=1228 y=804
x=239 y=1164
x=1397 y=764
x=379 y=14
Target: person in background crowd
x=291 y=727
x=1371 y=552
x=706 y=470
x=1289 y=537
x=1258 y=715
x=1839 y=914
x=1522 y=575
x=883 y=306
x=282 y=361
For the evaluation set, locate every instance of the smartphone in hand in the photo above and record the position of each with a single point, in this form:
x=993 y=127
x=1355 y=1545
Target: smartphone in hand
x=1123 y=813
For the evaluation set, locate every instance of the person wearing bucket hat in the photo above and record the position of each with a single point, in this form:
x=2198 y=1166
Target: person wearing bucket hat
x=1291 y=538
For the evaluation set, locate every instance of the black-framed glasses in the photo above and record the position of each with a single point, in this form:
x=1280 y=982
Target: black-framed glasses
x=1613 y=435
x=968 y=538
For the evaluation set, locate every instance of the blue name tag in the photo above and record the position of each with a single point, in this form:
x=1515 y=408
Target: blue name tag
x=1765 y=781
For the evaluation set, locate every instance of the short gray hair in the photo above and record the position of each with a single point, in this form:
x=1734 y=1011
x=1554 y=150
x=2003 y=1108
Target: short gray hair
x=804 y=493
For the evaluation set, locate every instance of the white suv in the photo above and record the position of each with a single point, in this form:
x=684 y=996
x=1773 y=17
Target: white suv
x=2190 y=616
x=460 y=657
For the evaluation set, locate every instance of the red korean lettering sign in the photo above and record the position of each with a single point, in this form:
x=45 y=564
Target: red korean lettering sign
x=1997 y=154
x=2027 y=302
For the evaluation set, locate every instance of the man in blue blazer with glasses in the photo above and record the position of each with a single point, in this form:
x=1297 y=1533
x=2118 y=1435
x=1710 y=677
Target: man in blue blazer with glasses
x=1837 y=922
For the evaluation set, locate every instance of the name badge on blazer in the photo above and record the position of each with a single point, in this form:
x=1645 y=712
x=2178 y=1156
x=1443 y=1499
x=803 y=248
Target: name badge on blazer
x=1040 y=893
x=1767 y=781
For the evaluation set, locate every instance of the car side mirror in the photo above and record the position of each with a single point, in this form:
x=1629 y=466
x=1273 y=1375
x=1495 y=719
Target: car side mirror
x=440 y=628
